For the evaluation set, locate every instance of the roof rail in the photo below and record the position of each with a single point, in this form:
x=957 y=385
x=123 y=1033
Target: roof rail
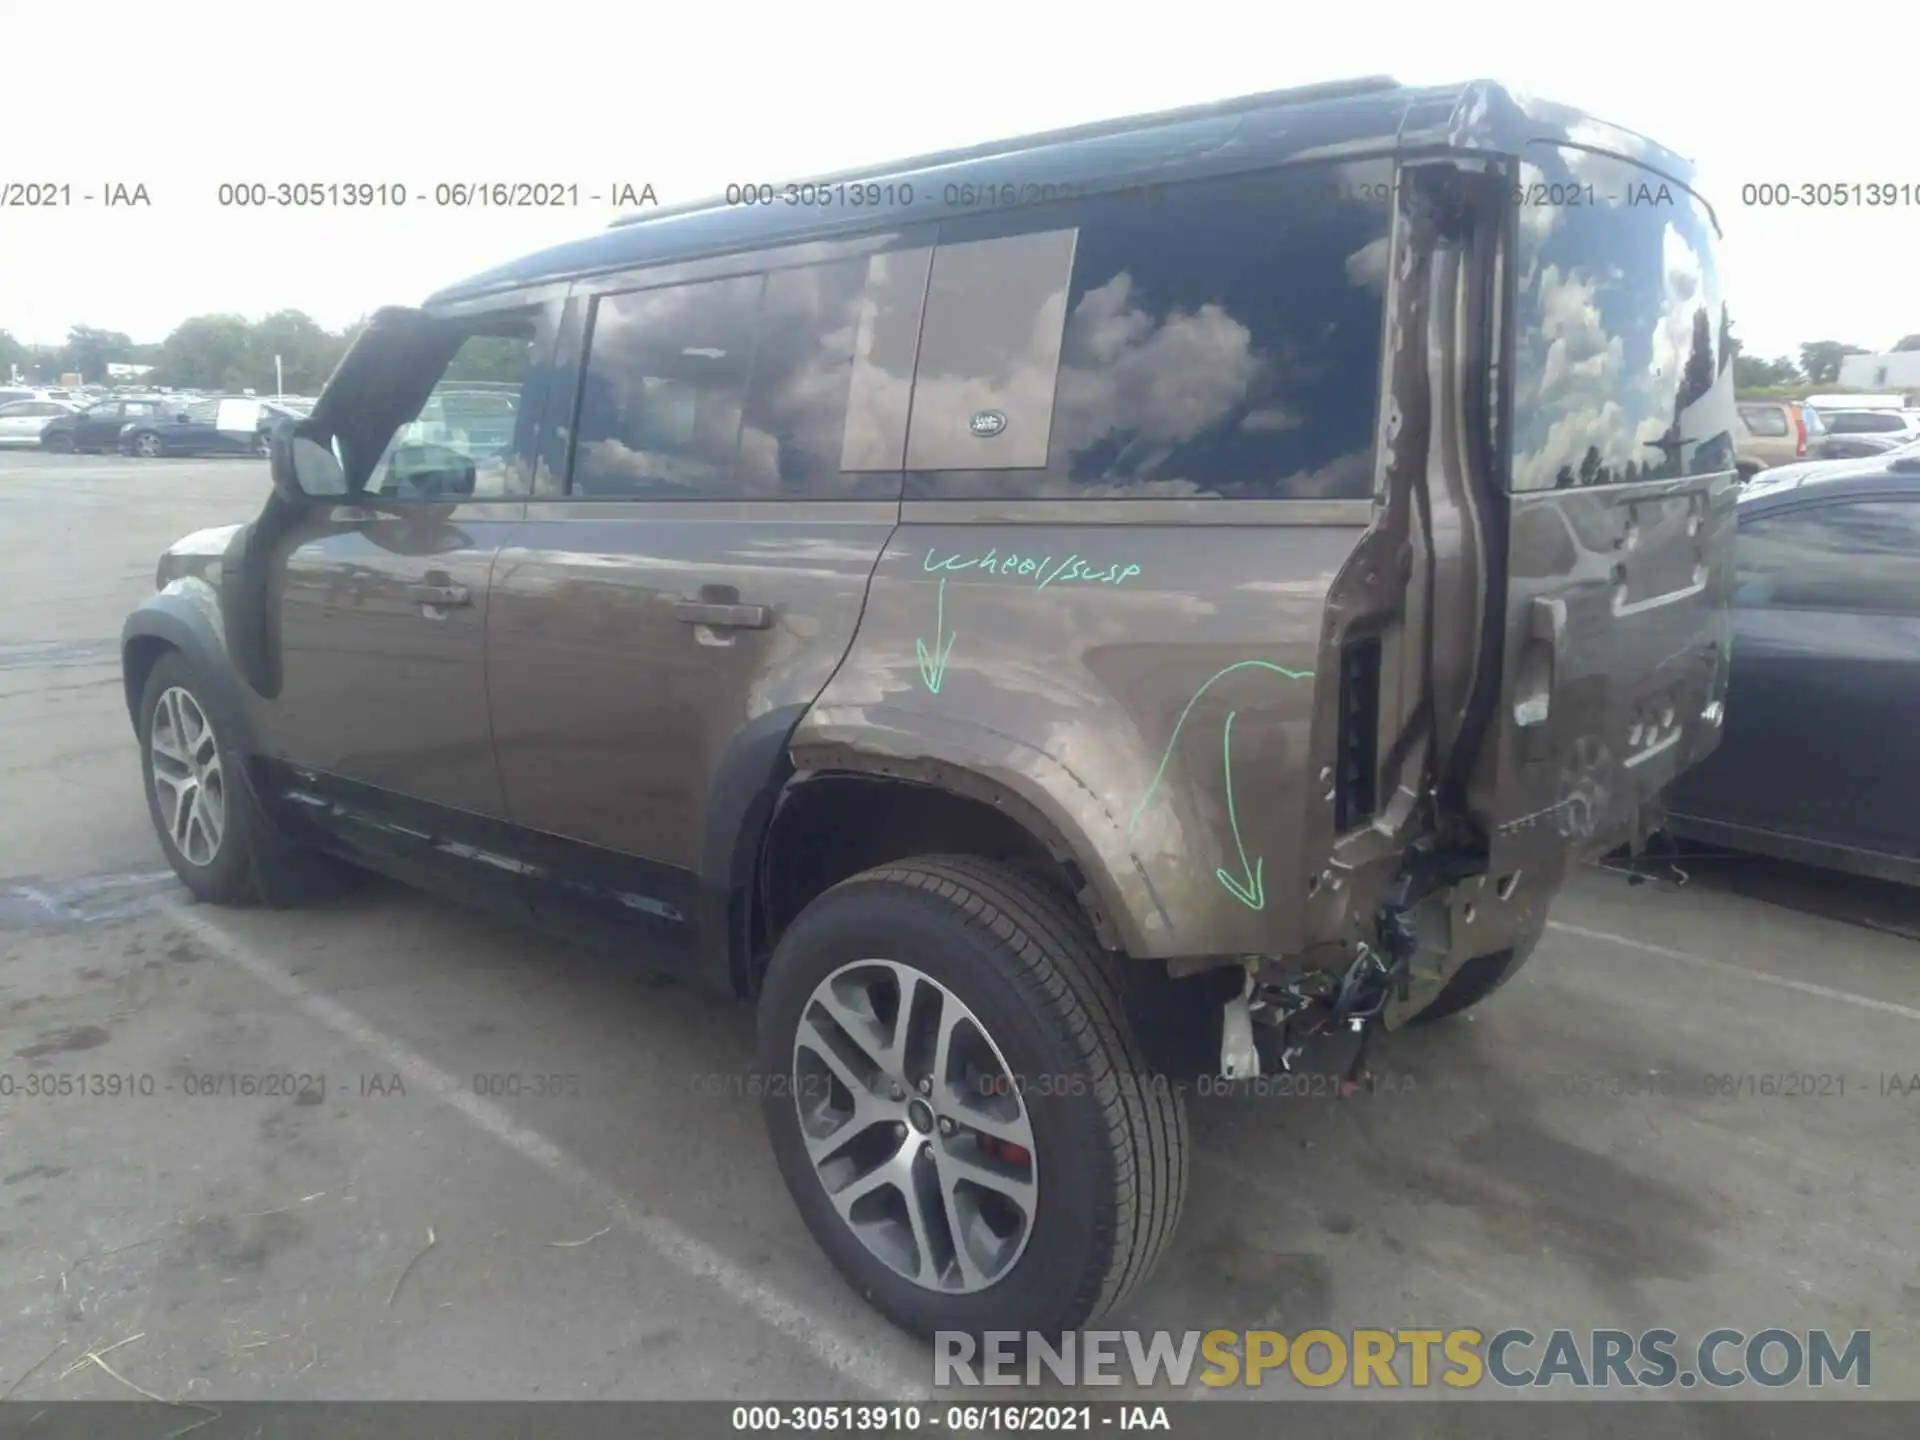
x=1298 y=95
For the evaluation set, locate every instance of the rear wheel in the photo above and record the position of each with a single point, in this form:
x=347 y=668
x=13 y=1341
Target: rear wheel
x=221 y=844
x=1474 y=982
x=958 y=1105
x=147 y=445
x=60 y=444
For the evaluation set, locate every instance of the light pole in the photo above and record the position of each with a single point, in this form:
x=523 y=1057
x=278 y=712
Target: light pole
x=279 y=389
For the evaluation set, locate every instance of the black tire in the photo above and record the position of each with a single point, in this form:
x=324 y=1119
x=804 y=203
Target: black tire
x=254 y=864
x=59 y=444
x=1110 y=1137
x=1474 y=982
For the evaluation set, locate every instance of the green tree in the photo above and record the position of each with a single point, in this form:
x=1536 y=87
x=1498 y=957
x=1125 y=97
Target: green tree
x=12 y=354
x=307 y=352
x=1759 y=374
x=490 y=357
x=1820 y=359
x=1907 y=342
x=208 y=352
x=88 y=350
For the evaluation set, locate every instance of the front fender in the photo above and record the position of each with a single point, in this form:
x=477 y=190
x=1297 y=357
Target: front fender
x=1147 y=690
x=185 y=616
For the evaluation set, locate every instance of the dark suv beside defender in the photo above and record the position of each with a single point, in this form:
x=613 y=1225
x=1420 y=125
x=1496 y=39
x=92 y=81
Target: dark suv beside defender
x=1226 y=564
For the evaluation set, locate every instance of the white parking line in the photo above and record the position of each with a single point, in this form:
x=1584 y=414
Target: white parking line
x=851 y=1359
x=1846 y=997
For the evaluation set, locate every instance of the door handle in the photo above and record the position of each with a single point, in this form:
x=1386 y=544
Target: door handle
x=723 y=617
x=444 y=595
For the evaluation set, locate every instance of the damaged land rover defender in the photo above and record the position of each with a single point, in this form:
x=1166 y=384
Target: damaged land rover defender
x=1227 y=563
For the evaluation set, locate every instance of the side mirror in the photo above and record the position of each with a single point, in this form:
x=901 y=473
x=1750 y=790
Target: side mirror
x=303 y=464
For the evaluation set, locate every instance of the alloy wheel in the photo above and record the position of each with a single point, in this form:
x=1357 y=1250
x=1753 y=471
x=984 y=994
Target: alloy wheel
x=187 y=777
x=916 y=1127
x=147 y=446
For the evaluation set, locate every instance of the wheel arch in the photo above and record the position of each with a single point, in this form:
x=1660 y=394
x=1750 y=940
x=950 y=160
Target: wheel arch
x=835 y=818
x=177 y=621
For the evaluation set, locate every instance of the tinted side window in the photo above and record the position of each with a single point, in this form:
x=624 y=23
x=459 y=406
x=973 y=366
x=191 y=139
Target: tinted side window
x=797 y=441
x=1218 y=339
x=1623 y=361
x=1859 y=555
x=1764 y=420
x=664 y=393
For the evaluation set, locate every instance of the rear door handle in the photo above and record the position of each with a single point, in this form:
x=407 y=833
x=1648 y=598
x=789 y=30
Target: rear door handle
x=723 y=617
x=444 y=595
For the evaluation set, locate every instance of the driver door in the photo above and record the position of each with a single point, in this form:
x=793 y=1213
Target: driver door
x=381 y=722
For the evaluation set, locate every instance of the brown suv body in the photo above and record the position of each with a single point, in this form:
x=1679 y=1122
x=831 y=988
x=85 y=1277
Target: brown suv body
x=1307 y=645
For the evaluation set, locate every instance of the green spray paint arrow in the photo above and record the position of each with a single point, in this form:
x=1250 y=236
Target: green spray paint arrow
x=1250 y=888
x=933 y=663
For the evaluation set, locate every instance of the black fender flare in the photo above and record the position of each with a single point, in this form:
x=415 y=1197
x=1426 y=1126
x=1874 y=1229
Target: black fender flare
x=184 y=618
x=747 y=783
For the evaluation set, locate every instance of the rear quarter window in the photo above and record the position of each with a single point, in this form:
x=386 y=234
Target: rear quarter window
x=1764 y=420
x=1214 y=339
x=1623 y=361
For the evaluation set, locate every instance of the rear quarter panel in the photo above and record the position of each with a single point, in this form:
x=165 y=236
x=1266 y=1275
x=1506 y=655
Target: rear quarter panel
x=1147 y=688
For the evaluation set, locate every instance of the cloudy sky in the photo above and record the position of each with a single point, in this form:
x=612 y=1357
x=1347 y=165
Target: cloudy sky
x=183 y=98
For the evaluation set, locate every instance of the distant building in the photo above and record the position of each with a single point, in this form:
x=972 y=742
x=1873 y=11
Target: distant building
x=127 y=372
x=1896 y=370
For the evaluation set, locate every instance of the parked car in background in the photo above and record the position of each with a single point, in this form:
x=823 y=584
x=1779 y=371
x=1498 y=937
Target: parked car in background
x=1774 y=432
x=21 y=421
x=1856 y=447
x=98 y=426
x=1817 y=764
x=1781 y=477
x=1882 y=401
x=221 y=425
x=1872 y=422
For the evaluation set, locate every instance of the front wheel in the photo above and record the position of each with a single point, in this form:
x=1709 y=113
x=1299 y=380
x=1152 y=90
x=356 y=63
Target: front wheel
x=221 y=844
x=59 y=444
x=958 y=1106
x=147 y=446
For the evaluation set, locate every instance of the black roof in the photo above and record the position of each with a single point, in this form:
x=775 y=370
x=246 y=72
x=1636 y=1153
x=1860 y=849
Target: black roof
x=1345 y=119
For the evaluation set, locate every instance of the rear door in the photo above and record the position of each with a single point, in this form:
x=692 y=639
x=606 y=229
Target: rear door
x=196 y=433
x=1619 y=521
x=99 y=428
x=691 y=570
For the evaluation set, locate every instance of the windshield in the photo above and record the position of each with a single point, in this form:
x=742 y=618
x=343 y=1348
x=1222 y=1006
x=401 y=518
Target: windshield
x=1623 y=366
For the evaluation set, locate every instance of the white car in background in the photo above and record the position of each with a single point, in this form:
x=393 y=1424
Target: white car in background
x=21 y=421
